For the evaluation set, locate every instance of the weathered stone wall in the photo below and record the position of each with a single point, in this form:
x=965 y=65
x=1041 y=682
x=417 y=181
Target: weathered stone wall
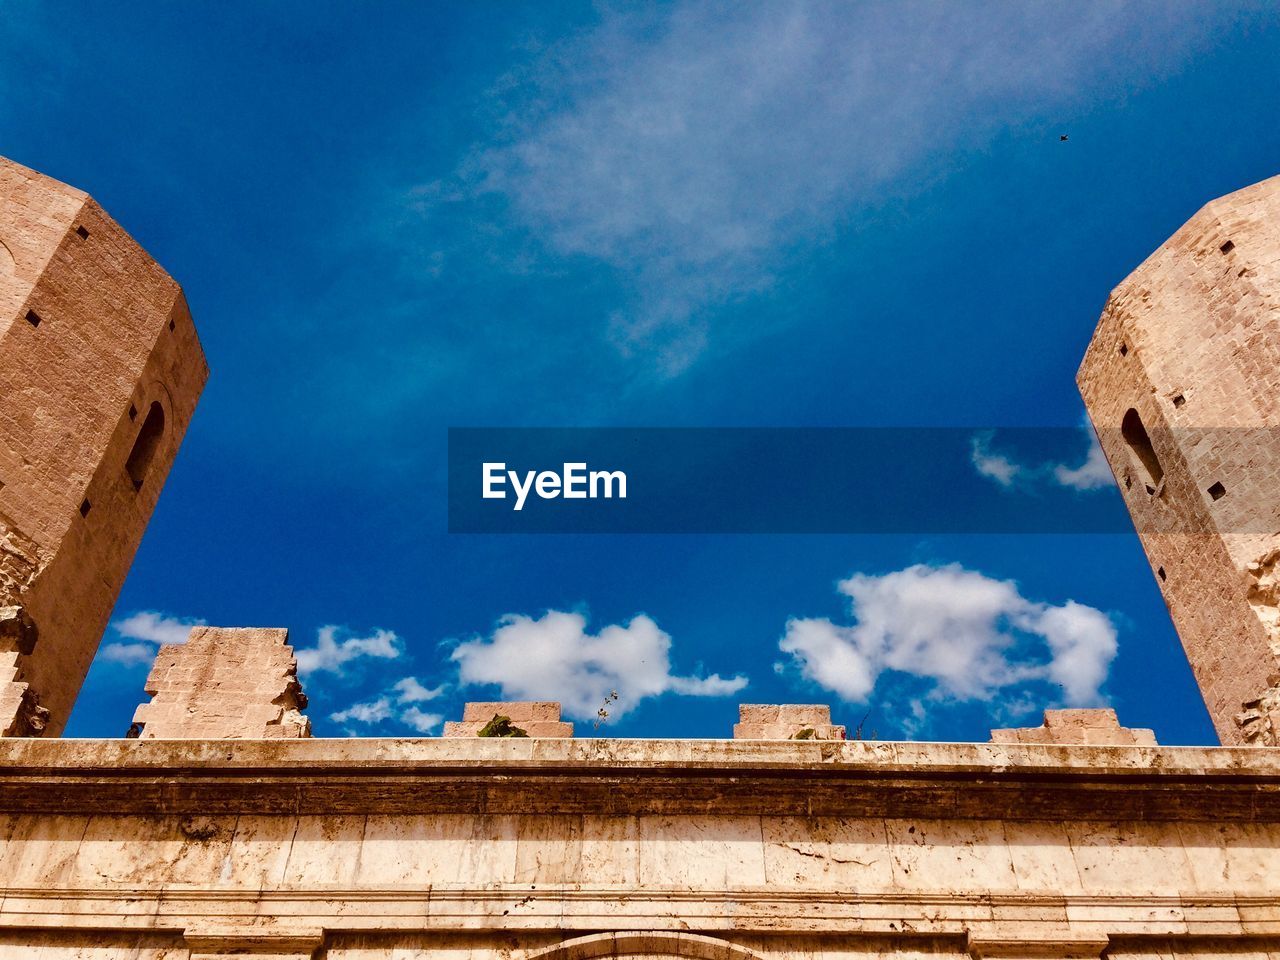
x=648 y=859
x=224 y=683
x=525 y=849
x=21 y=714
x=1182 y=383
x=96 y=350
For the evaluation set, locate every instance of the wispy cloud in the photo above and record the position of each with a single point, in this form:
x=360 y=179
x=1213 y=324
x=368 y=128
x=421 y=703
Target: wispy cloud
x=400 y=704
x=696 y=150
x=375 y=711
x=420 y=720
x=155 y=627
x=333 y=655
x=141 y=635
x=409 y=690
x=128 y=654
x=994 y=466
x=1092 y=474
x=969 y=636
x=553 y=657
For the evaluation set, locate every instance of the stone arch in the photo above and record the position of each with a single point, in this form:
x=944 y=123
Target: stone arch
x=149 y=436
x=146 y=444
x=636 y=943
x=1142 y=453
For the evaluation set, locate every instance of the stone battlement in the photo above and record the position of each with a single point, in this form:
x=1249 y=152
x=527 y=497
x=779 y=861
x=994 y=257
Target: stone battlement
x=786 y=721
x=1099 y=727
x=524 y=718
x=224 y=683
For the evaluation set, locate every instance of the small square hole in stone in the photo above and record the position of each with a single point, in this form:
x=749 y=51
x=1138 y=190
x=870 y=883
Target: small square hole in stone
x=33 y=318
x=82 y=233
x=1124 y=349
x=171 y=324
x=85 y=508
x=1227 y=247
x=1179 y=400
x=1128 y=482
x=1163 y=576
x=1217 y=491
x=133 y=412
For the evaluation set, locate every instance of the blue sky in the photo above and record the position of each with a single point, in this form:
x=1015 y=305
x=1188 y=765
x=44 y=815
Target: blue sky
x=397 y=218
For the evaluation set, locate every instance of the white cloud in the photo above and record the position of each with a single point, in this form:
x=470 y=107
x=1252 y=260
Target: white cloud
x=375 y=711
x=332 y=655
x=696 y=149
x=128 y=654
x=140 y=634
x=971 y=636
x=993 y=465
x=420 y=721
x=1093 y=474
x=398 y=703
x=155 y=627
x=1083 y=641
x=409 y=690
x=554 y=658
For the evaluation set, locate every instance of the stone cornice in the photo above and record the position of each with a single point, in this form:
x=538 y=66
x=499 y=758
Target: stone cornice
x=797 y=778
x=1022 y=919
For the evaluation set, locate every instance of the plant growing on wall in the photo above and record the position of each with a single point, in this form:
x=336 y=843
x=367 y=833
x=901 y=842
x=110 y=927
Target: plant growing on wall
x=501 y=726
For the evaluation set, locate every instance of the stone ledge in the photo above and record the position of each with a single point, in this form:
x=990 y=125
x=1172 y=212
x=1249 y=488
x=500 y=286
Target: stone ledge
x=402 y=754
x=782 y=778
x=992 y=925
x=1043 y=945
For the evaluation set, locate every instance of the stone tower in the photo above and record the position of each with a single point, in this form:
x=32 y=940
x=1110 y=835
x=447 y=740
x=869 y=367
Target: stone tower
x=100 y=370
x=1182 y=383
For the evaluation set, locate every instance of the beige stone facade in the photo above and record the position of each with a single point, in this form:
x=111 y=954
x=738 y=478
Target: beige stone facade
x=530 y=848
x=1182 y=382
x=100 y=370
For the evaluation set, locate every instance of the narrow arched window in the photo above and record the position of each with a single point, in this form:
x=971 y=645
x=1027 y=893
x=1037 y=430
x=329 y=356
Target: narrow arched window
x=1141 y=452
x=145 y=447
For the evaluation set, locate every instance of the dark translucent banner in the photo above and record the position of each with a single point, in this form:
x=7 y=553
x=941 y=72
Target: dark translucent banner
x=812 y=480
